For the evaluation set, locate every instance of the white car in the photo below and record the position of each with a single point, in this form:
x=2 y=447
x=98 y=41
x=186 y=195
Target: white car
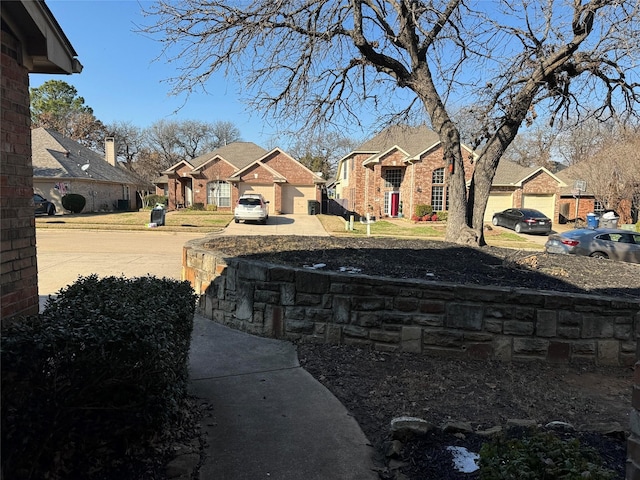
x=253 y=207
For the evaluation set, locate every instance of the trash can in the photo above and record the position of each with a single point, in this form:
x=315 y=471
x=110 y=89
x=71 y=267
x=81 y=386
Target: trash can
x=609 y=219
x=157 y=215
x=592 y=220
x=313 y=207
x=609 y=222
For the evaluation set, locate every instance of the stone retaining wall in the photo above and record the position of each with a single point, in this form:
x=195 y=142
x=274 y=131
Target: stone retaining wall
x=411 y=315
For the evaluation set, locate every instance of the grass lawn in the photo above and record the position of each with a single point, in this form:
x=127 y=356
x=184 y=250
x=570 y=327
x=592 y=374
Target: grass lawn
x=403 y=228
x=207 y=222
x=175 y=221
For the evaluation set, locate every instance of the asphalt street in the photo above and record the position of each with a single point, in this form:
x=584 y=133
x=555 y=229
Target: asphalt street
x=65 y=255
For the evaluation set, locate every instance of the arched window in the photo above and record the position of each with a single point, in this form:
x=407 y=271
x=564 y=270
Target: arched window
x=219 y=194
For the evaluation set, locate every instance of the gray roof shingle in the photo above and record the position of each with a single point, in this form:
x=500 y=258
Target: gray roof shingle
x=50 y=161
x=238 y=154
x=413 y=140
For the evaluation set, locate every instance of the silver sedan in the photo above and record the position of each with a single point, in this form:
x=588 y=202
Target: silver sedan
x=599 y=243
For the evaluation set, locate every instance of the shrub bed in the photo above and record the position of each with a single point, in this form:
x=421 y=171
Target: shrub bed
x=101 y=370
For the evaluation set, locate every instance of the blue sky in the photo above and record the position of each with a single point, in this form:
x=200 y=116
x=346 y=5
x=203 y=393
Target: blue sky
x=121 y=81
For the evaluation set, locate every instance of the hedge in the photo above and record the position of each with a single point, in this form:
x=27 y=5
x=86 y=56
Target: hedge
x=103 y=368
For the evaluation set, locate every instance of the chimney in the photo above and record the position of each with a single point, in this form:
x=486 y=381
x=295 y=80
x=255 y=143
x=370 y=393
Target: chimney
x=110 y=151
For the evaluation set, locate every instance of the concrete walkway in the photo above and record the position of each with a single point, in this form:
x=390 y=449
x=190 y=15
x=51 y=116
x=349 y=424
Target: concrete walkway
x=270 y=418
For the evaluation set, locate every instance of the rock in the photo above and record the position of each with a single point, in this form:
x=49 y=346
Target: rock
x=560 y=426
x=395 y=449
x=489 y=432
x=613 y=429
x=183 y=466
x=457 y=427
x=519 y=422
x=403 y=428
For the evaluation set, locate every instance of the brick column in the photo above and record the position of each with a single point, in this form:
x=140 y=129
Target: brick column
x=19 y=283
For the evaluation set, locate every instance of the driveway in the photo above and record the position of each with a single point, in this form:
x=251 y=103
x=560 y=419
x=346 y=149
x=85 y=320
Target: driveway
x=304 y=225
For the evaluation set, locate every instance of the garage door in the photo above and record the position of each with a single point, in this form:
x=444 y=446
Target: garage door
x=265 y=190
x=544 y=203
x=497 y=203
x=295 y=198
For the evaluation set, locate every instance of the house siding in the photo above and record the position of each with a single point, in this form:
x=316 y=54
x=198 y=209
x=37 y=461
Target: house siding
x=19 y=284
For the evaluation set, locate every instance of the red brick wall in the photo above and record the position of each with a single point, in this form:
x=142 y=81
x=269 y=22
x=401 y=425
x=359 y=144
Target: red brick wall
x=215 y=170
x=367 y=187
x=19 y=284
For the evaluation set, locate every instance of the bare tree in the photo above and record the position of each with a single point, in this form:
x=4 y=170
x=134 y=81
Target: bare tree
x=224 y=133
x=533 y=147
x=129 y=141
x=580 y=140
x=321 y=151
x=325 y=61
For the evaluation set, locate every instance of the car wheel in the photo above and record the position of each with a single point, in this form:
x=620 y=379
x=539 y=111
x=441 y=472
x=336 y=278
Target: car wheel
x=51 y=210
x=237 y=221
x=518 y=228
x=495 y=221
x=599 y=255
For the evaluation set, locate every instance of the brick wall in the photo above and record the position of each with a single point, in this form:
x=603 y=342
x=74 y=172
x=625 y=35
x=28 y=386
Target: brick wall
x=19 y=284
x=412 y=315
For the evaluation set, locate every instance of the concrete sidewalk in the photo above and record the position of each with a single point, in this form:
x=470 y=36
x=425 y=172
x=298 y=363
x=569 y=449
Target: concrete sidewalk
x=270 y=418
x=286 y=224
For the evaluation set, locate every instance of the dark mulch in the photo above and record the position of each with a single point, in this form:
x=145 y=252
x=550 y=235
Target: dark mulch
x=378 y=386
x=437 y=261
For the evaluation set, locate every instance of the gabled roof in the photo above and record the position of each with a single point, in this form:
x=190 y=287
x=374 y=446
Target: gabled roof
x=276 y=175
x=56 y=156
x=413 y=142
x=238 y=154
x=569 y=176
x=512 y=174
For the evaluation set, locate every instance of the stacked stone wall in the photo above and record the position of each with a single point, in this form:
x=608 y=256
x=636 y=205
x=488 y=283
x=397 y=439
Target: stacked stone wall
x=412 y=315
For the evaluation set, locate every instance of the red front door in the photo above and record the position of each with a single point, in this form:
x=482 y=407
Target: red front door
x=395 y=204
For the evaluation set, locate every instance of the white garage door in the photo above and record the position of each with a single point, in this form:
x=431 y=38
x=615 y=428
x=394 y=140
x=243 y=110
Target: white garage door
x=497 y=203
x=544 y=203
x=265 y=190
x=295 y=198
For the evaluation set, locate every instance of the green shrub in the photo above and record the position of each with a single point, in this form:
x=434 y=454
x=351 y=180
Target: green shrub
x=101 y=370
x=152 y=200
x=423 y=210
x=74 y=202
x=212 y=208
x=443 y=216
x=197 y=206
x=540 y=455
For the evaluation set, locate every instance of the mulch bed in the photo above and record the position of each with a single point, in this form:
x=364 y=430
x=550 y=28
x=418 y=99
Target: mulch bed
x=379 y=386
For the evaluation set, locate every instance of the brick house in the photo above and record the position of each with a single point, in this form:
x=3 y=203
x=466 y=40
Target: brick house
x=402 y=167
x=32 y=42
x=220 y=177
x=62 y=165
x=576 y=203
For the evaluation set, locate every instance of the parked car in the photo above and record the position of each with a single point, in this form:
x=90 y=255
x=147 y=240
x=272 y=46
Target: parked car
x=523 y=220
x=252 y=207
x=43 y=206
x=600 y=243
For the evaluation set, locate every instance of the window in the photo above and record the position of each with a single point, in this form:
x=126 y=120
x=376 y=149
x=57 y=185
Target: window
x=438 y=192
x=345 y=167
x=219 y=194
x=393 y=177
x=598 y=207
